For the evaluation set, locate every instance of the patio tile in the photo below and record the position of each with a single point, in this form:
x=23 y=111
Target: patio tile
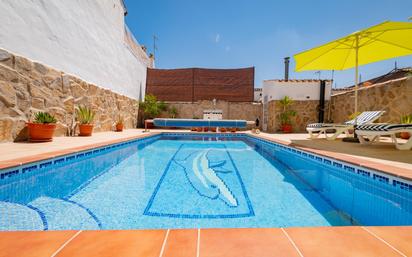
x=245 y=243
x=136 y=243
x=8 y=164
x=181 y=243
x=398 y=237
x=338 y=242
x=32 y=244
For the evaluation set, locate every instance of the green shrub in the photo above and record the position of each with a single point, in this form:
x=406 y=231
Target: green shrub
x=406 y=119
x=285 y=116
x=152 y=108
x=354 y=115
x=173 y=112
x=44 y=118
x=85 y=115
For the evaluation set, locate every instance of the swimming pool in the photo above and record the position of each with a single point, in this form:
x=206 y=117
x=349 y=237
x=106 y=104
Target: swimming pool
x=198 y=181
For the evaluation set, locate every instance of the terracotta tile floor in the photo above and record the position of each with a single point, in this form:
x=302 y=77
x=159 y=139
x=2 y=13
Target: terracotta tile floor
x=261 y=242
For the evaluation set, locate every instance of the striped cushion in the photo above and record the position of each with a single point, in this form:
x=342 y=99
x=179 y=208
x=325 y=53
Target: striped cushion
x=384 y=127
x=315 y=125
x=365 y=118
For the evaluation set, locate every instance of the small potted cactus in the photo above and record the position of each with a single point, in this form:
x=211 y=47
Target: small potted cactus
x=42 y=128
x=85 y=117
x=119 y=124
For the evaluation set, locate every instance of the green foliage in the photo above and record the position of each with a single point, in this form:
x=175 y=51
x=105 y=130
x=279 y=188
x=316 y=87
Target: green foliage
x=406 y=119
x=85 y=115
x=173 y=112
x=195 y=117
x=151 y=107
x=120 y=120
x=285 y=116
x=44 y=118
x=354 y=115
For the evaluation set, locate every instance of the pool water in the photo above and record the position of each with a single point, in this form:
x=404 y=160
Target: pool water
x=173 y=181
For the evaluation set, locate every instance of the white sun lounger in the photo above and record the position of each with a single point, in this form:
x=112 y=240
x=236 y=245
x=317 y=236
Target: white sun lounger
x=372 y=132
x=316 y=129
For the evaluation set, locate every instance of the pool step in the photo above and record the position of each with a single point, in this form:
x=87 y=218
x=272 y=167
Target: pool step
x=14 y=216
x=66 y=214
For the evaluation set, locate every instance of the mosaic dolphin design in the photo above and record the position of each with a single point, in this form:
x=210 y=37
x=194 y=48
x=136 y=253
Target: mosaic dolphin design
x=202 y=175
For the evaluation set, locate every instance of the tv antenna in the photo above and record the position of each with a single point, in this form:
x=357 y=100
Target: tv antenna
x=155 y=38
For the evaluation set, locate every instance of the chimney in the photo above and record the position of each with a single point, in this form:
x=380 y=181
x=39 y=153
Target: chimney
x=287 y=68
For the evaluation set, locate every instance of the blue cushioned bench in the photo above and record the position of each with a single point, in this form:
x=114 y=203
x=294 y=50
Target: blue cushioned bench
x=188 y=123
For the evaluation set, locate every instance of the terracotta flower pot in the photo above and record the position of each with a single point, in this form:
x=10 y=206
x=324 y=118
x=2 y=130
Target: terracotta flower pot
x=119 y=127
x=85 y=130
x=286 y=128
x=205 y=129
x=193 y=129
x=405 y=135
x=199 y=129
x=213 y=129
x=233 y=130
x=222 y=130
x=39 y=132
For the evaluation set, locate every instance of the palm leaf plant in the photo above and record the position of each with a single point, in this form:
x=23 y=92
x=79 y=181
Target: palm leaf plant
x=151 y=107
x=286 y=114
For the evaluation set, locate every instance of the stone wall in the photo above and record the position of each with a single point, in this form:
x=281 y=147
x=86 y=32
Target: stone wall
x=394 y=97
x=306 y=112
x=231 y=110
x=27 y=87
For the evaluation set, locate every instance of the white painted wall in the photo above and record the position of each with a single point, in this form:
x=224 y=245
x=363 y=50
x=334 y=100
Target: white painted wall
x=81 y=37
x=257 y=95
x=298 y=90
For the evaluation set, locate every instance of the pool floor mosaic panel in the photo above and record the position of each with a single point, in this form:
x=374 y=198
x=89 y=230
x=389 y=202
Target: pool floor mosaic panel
x=200 y=181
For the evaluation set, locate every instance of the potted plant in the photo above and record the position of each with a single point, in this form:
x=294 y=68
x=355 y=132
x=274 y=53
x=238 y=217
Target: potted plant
x=85 y=117
x=406 y=119
x=42 y=128
x=151 y=108
x=286 y=114
x=173 y=112
x=119 y=124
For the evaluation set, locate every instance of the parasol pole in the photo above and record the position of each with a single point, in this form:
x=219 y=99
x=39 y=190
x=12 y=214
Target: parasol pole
x=355 y=138
x=356 y=74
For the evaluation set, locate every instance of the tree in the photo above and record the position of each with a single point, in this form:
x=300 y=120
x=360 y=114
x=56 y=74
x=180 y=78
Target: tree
x=151 y=107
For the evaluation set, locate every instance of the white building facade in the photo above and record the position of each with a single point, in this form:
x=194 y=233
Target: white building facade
x=85 y=38
x=297 y=89
x=257 y=94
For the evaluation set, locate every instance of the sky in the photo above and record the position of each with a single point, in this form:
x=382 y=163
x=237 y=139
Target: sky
x=259 y=33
